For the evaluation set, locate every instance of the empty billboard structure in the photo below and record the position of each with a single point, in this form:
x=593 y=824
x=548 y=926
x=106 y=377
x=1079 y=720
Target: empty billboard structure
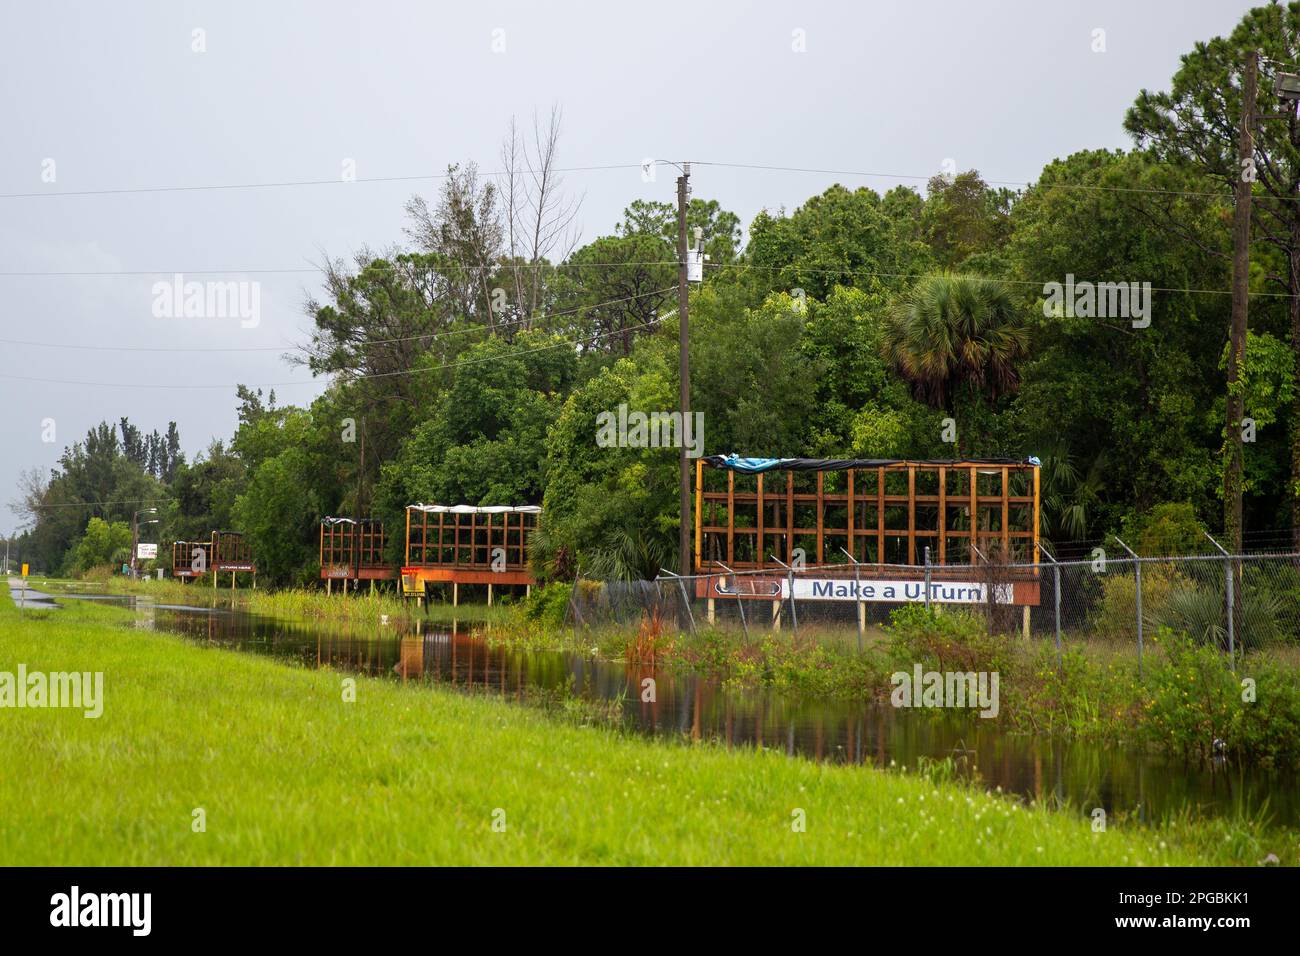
x=224 y=551
x=467 y=544
x=191 y=559
x=352 y=549
x=889 y=515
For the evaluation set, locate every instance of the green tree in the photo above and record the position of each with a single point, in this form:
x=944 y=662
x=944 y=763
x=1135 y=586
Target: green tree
x=720 y=230
x=841 y=237
x=963 y=217
x=279 y=514
x=616 y=288
x=610 y=511
x=102 y=543
x=953 y=335
x=1195 y=124
x=1127 y=409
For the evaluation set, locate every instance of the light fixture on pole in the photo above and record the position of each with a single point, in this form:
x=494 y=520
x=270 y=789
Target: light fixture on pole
x=135 y=533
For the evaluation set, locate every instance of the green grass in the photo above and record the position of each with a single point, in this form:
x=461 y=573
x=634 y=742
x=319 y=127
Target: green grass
x=287 y=773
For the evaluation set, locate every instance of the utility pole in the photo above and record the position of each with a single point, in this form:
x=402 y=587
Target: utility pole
x=1232 y=478
x=135 y=534
x=683 y=372
x=354 y=552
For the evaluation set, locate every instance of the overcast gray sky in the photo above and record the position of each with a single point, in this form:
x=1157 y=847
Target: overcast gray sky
x=116 y=96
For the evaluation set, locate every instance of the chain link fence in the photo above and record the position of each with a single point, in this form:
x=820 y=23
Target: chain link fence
x=1240 y=603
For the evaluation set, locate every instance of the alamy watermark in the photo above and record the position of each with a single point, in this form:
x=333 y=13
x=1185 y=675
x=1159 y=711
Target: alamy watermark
x=210 y=299
x=75 y=689
x=624 y=429
x=1098 y=300
x=75 y=908
x=946 y=689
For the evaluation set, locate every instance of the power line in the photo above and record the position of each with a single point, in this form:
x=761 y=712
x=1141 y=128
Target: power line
x=136 y=273
x=355 y=378
x=1020 y=184
x=560 y=267
x=762 y=167
x=129 y=190
x=922 y=275
x=103 y=504
x=366 y=344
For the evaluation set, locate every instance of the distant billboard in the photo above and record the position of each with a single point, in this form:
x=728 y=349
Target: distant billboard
x=146 y=552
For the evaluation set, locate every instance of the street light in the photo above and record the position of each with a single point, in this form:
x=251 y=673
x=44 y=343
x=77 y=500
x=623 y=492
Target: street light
x=135 y=533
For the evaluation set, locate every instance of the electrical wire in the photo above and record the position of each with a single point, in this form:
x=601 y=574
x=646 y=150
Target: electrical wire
x=355 y=378
x=280 y=348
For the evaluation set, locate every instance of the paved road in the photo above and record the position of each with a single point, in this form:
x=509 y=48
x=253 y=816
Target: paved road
x=32 y=599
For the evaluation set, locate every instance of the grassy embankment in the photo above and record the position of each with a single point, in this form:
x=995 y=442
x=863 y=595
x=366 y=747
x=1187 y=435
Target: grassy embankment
x=286 y=772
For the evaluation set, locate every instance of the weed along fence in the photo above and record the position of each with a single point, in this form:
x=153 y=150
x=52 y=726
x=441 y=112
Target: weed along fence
x=459 y=545
x=353 y=550
x=875 y=531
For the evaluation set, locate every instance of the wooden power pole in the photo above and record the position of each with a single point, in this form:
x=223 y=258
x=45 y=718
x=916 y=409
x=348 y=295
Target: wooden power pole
x=1232 y=478
x=684 y=373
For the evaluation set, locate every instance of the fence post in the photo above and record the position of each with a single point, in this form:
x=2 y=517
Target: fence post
x=573 y=597
x=1232 y=607
x=927 y=577
x=1137 y=594
x=794 y=614
x=740 y=604
x=686 y=602
x=1230 y=596
x=857 y=594
x=990 y=602
x=1056 y=588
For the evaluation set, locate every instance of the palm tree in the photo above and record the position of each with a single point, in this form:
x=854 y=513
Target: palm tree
x=629 y=555
x=950 y=332
x=1071 y=495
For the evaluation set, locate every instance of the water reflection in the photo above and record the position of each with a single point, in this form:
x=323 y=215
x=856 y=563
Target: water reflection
x=696 y=708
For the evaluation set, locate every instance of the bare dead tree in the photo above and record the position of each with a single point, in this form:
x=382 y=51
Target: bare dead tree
x=32 y=487
x=541 y=218
x=512 y=160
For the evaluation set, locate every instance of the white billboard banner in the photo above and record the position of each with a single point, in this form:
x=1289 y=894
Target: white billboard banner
x=146 y=552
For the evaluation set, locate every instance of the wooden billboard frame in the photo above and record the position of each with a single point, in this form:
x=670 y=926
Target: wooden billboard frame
x=456 y=546
x=354 y=549
x=883 y=548
x=787 y=502
x=182 y=554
